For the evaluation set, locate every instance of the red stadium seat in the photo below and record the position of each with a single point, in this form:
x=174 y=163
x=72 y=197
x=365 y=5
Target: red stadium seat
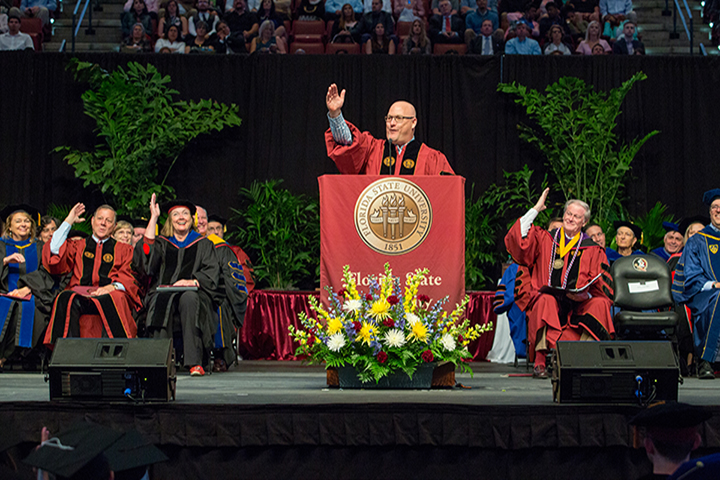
x=311 y=31
x=33 y=27
x=349 y=48
x=403 y=28
x=450 y=48
x=314 y=48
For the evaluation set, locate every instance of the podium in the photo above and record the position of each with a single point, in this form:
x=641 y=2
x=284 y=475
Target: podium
x=411 y=222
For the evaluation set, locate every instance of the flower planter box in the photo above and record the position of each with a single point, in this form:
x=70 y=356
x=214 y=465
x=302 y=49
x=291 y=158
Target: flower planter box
x=430 y=375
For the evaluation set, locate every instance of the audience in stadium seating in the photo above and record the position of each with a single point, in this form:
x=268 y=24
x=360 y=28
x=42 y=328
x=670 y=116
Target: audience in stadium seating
x=243 y=24
x=489 y=42
x=522 y=44
x=408 y=10
x=475 y=19
x=152 y=6
x=555 y=46
x=14 y=39
x=614 y=13
x=386 y=6
x=204 y=14
x=310 y=10
x=592 y=38
x=553 y=18
x=342 y=27
x=435 y=7
x=576 y=23
x=138 y=41
x=447 y=27
x=199 y=43
x=172 y=42
x=172 y=16
x=266 y=41
x=627 y=44
x=589 y=10
x=366 y=25
x=41 y=9
x=138 y=14
x=333 y=8
x=530 y=16
x=380 y=42
x=267 y=12
x=417 y=43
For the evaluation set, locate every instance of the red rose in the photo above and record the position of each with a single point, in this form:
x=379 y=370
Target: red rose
x=423 y=298
x=393 y=300
x=382 y=357
x=460 y=338
x=357 y=325
x=368 y=297
x=341 y=292
x=427 y=356
x=389 y=322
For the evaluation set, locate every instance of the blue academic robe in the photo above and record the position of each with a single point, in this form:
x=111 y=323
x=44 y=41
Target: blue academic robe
x=505 y=303
x=662 y=253
x=697 y=266
x=613 y=255
x=14 y=272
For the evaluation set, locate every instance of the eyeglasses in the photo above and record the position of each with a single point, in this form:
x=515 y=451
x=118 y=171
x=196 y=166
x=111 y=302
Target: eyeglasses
x=397 y=118
x=714 y=208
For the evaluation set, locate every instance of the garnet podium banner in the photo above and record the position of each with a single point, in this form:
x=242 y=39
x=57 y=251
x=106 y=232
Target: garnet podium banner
x=410 y=222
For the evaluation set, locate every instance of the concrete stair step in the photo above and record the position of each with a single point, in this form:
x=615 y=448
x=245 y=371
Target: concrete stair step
x=83 y=46
x=678 y=50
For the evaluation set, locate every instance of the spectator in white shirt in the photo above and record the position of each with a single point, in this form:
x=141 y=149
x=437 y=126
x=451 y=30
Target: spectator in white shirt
x=15 y=39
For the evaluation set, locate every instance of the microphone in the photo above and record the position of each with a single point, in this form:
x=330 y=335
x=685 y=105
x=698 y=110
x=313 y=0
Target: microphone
x=698 y=466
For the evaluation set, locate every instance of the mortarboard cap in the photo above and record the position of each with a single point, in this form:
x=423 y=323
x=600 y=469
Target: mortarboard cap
x=671 y=227
x=670 y=415
x=77 y=233
x=168 y=206
x=686 y=222
x=711 y=195
x=133 y=451
x=21 y=207
x=635 y=229
x=73 y=449
x=217 y=218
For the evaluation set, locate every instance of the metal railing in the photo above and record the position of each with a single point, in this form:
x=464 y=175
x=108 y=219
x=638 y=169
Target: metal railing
x=76 y=23
x=688 y=31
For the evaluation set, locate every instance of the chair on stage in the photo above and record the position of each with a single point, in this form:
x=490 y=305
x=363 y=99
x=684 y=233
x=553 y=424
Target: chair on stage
x=643 y=296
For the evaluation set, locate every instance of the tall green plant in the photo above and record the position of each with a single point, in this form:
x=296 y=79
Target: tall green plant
x=651 y=226
x=282 y=230
x=141 y=132
x=576 y=133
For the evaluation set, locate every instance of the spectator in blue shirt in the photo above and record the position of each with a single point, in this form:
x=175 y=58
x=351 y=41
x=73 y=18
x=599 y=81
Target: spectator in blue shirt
x=474 y=19
x=521 y=44
x=38 y=9
x=334 y=7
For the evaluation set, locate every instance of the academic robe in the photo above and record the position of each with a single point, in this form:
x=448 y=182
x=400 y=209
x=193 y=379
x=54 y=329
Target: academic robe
x=563 y=317
x=165 y=261
x=684 y=331
x=24 y=321
x=247 y=267
x=504 y=302
x=231 y=312
x=698 y=265
x=366 y=154
x=613 y=255
x=662 y=253
x=93 y=265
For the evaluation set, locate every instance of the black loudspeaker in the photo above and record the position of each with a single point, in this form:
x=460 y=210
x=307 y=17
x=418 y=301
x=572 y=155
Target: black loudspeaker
x=614 y=372
x=135 y=369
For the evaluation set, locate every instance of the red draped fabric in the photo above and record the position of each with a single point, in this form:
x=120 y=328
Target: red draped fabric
x=269 y=313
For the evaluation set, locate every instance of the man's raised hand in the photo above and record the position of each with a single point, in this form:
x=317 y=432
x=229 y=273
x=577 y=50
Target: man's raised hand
x=540 y=205
x=75 y=215
x=334 y=101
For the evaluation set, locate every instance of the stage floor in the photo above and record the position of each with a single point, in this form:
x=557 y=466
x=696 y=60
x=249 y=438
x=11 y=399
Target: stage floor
x=259 y=382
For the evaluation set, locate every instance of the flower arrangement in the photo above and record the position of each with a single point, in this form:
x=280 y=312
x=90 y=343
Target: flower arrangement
x=386 y=329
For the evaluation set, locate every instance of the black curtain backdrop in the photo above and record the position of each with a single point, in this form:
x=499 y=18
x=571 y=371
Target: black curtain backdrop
x=281 y=100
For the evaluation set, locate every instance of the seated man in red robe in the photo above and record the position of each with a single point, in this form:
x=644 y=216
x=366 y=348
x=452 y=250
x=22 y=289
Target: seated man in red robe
x=356 y=152
x=102 y=282
x=570 y=283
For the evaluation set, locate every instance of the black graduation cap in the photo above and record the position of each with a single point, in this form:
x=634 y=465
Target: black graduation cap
x=166 y=207
x=711 y=195
x=10 y=209
x=77 y=233
x=671 y=415
x=125 y=218
x=671 y=227
x=635 y=229
x=133 y=451
x=217 y=218
x=686 y=222
x=73 y=449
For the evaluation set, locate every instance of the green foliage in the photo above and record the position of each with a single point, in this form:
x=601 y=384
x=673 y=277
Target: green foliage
x=141 y=132
x=651 y=226
x=61 y=212
x=282 y=229
x=487 y=219
x=576 y=134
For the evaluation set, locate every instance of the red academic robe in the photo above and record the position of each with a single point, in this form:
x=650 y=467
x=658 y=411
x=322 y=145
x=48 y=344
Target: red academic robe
x=94 y=265
x=365 y=156
x=565 y=319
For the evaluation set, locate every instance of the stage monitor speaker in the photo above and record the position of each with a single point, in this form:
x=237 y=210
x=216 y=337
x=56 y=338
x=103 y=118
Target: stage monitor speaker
x=90 y=369
x=614 y=372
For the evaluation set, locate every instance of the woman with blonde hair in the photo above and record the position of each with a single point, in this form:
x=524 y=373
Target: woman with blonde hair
x=592 y=37
x=417 y=42
x=266 y=41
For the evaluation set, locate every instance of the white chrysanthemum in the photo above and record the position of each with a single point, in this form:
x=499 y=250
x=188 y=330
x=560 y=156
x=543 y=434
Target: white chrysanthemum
x=412 y=318
x=395 y=338
x=448 y=342
x=352 y=305
x=336 y=342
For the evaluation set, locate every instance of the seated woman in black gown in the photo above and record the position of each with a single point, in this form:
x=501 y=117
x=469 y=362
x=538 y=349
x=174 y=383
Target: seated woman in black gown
x=180 y=257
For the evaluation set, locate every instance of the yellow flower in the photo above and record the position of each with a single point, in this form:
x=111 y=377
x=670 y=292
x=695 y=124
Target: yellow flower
x=380 y=309
x=366 y=333
x=334 y=326
x=418 y=332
